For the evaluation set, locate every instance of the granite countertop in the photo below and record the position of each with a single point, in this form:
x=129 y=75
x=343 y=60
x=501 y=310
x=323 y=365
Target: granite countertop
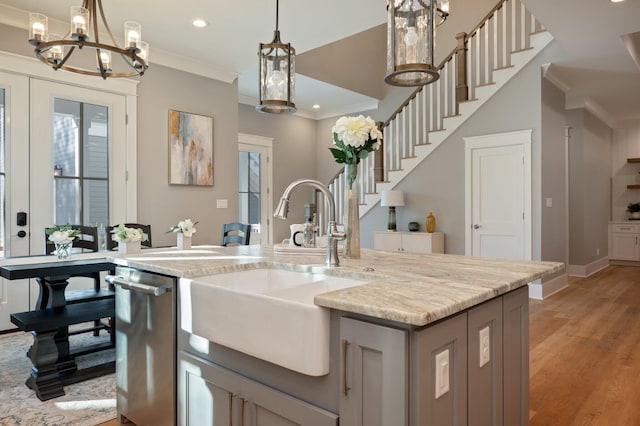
x=415 y=289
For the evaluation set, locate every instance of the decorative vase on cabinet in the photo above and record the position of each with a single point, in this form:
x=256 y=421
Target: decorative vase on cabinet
x=352 y=213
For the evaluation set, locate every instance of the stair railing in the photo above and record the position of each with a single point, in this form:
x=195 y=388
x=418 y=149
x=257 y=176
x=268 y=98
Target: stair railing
x=506 y=29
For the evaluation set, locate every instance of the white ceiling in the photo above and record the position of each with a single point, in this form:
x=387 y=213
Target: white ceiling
x=599 y=72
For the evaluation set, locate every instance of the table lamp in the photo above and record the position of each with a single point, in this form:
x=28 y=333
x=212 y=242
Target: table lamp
x=392 y=199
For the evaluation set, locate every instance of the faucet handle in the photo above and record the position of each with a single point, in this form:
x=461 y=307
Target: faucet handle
x=338 y=235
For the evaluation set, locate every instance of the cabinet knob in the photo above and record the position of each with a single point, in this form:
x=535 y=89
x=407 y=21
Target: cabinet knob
x=476 y=226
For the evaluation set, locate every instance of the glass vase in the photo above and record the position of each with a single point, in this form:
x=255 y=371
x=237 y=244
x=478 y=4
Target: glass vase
x=63 y=251
x=351 y=213
x=129 y=247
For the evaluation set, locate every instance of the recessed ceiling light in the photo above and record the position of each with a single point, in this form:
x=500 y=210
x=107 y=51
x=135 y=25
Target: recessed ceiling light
x=316 y=106
x=200 y=23
x=617 y=1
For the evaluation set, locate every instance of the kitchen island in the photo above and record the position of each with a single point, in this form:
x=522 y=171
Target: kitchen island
x=428 y=339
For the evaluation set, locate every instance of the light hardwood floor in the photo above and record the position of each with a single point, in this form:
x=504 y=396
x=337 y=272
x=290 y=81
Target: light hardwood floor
x=585 y=352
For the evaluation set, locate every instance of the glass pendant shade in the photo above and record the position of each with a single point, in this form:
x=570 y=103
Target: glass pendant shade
x=38 y=28
x=132 y=35
x=79 y=23
x=277 y=77
x=411 y=42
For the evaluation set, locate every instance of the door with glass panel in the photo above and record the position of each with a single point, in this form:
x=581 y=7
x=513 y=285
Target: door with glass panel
x=78 y=171
x=254 y=183
x=14 y=188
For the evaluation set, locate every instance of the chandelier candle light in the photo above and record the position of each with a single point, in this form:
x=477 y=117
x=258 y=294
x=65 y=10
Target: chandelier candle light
x=354 y=138
x=277 y=69
x=411 y=40
x=83 y=36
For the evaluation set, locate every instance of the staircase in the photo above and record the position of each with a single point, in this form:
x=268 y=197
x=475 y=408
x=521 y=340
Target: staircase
x=483 y=61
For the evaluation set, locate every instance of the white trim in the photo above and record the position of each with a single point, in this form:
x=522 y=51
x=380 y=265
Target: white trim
x=31 y=67
x=540 y=291
x=521 y=137
x=127 y=88
x=267 y=144
x=587 y=270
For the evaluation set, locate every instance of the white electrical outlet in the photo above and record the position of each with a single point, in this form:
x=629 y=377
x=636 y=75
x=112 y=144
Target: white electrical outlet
x=549 y=201
x=442 y=373
x=484 y=345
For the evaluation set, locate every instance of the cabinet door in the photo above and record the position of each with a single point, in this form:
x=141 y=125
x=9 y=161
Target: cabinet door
x=516 y=356
x=261 y=405
x=373 y=375
x=484 y=337
x=624 y=246
x=416 y=243
x=439 y=373
x=388 y=241
x=206 y=393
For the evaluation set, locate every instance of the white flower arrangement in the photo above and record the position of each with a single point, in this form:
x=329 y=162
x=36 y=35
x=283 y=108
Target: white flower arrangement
x=122 y=234
x=185 y=227
x=61 y=234
x=355 y=138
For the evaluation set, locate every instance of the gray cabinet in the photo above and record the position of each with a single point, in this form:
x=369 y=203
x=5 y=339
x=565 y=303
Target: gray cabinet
x=212 y=395
x=515 y=317
x=485 y=364
x=469 y=369
x=439 y=373
x=373 y=371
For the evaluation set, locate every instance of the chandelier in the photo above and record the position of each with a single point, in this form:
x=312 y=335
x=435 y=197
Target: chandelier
x=84 y=36
x=411 y=39
x=277 y=68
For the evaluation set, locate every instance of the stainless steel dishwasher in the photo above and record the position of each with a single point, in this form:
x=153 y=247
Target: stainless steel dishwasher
x=145 y=346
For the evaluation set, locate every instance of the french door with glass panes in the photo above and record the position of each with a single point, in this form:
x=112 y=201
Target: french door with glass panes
x=64 y=154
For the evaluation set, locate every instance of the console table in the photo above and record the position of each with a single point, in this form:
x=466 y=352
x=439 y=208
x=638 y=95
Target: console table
x=53 y=363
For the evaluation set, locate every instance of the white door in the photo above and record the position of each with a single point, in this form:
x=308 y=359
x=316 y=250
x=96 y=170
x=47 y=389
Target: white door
x=498 y=196
x=14 y=188
x=254 y=186
x=78 y=158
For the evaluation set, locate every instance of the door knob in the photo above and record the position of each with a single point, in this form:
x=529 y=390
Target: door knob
x=476 y=226
x=22 y=234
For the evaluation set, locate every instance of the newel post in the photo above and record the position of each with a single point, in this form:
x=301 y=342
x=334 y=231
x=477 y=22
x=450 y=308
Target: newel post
x=462 y=89
x=378 y=159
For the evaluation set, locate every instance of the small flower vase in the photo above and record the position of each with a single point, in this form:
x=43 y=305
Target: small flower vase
x=63 y=251
x=184 y=243
x=130 y=247
x=351 y=213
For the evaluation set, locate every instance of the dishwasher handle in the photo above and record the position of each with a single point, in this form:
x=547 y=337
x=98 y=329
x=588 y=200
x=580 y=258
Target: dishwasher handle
x=144 y=288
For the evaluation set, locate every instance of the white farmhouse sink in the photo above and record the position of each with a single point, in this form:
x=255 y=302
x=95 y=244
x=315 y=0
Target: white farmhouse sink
x=266 y=313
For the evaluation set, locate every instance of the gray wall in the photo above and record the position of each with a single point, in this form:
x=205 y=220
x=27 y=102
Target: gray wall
x=554 y=169
x=294 y=152
x=437 y=185
x=590 y=190
x=161 y=204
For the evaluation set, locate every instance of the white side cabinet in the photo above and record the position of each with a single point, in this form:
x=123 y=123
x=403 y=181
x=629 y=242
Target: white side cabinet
x=624 y=241
x=411 y=242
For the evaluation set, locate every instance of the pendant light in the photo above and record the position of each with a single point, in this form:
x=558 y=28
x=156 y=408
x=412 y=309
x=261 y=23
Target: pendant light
x=277 y=69
x=411 y=40
x=84 y=36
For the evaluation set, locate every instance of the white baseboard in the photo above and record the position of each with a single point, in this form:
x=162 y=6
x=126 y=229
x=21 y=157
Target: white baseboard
x=584 y=271
x=541 y=290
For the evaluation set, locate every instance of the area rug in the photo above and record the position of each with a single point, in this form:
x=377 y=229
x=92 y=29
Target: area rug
x=86 y=403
